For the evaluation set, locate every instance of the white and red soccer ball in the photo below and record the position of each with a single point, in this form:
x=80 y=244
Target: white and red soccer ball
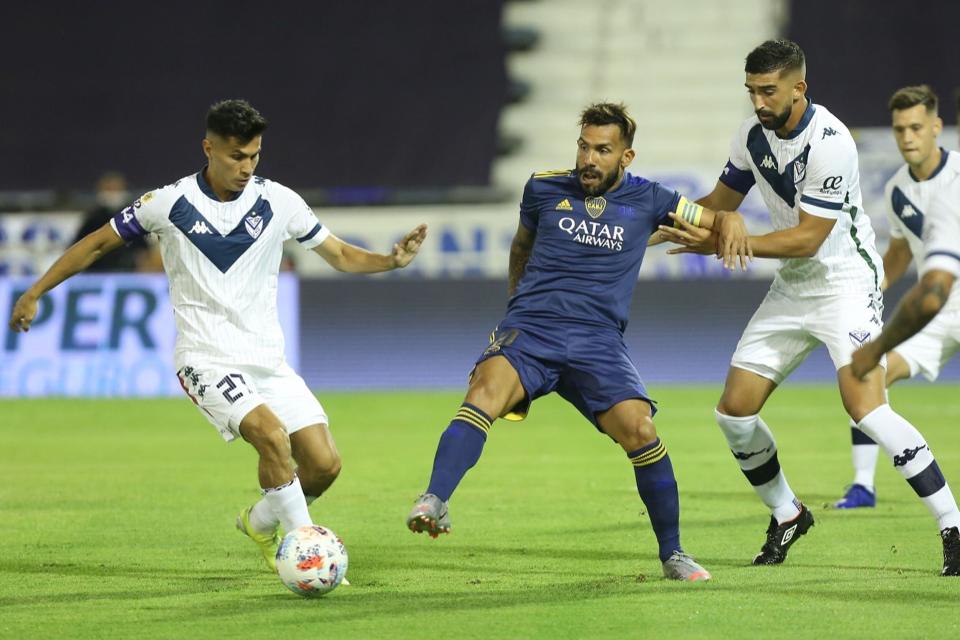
x=311 y=561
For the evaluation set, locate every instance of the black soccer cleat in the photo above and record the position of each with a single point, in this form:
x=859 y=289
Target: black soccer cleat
x=781 y=536
x=951 y=551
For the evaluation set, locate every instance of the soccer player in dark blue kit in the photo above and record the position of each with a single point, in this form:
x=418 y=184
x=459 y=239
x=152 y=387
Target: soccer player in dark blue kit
x=573 y=267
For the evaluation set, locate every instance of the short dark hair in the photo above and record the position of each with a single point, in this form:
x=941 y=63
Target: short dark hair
x=775 y=55
x=602 y=113
x=908 y=97
x=235 y=119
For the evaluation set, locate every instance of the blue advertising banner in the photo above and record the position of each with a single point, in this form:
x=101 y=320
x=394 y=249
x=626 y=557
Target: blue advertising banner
x=106 y=336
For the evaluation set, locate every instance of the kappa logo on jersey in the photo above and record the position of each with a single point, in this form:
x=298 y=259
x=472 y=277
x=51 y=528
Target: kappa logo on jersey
x=768 y=163
x=564 y=205
x=595 y=206
x=908 y=211
x=859 y=337
x=799 y=171
x=594 y=234
x=828 y=131
x=200 y=227
x=254 y=225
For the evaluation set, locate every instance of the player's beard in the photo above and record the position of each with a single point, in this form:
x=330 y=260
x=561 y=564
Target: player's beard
x=779 y=119
x=603 y=184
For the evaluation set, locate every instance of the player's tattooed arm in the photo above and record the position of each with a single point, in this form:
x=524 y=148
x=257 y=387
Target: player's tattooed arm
x=918 y=307
x=520 y=250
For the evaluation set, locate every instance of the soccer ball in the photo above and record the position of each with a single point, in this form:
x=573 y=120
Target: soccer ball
x=311 y=561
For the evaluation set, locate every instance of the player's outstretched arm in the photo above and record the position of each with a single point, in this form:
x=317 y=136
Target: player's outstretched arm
x=78 y=257
x=918 y=307
x=704 y=230
x=349 y=258
x=801 y=241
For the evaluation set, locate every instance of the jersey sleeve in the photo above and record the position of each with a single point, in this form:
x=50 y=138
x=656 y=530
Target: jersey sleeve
x=941 y=231
x=146 y=215
x=831 y=170
x=737 y=174
x=893 y=222
x=529 y=211
x=303 y=225
x=665 y=201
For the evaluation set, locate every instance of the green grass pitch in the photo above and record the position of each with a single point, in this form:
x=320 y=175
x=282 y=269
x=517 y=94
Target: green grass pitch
x=117 y=521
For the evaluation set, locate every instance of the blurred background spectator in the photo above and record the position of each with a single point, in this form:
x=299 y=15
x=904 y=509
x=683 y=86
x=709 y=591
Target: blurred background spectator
x=111 y=197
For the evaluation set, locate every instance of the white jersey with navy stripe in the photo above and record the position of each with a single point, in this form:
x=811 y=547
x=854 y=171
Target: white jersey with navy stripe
x=909 y=203
x=814 y=169
x=222 y=260
x=941 y=229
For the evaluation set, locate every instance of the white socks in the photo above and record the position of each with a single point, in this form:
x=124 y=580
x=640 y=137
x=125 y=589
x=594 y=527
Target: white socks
x=913 y=459
x=752 y=444
x=287 y=504
x=864 y=454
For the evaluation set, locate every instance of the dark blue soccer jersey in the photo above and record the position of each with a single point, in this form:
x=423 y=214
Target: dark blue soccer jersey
x=588 y=250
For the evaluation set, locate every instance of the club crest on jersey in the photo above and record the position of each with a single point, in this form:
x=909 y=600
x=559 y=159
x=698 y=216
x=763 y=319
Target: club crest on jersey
x=799 y=171
x=595 y=206
x=254 y=225
x=859 y=337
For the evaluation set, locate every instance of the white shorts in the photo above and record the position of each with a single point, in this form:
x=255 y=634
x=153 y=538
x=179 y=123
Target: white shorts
x=929 y=350
x=225 y=394
x=784 y=330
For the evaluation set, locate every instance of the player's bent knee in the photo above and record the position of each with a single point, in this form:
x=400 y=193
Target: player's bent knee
x=637 y=434
x=269 y=440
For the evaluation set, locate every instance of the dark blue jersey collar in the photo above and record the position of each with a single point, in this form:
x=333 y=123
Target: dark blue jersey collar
x=943 y=163
x=804 y=121
x=208 y=190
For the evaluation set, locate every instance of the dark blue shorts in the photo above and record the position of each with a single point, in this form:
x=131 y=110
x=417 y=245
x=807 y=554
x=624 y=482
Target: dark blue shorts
x=588 y=366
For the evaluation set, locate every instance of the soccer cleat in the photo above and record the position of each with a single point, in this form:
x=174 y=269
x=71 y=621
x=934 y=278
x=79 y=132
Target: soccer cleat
x=951 y=551
x=856 y=496
x=680 y=566
x=429 y=514
x=781 y=536
x=268 y=542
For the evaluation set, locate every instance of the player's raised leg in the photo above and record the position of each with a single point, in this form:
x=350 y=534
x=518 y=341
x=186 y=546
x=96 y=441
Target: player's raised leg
x=494 y=388
x=864 y=451
x=630 y=423
x=753 y=446
x=865 y=402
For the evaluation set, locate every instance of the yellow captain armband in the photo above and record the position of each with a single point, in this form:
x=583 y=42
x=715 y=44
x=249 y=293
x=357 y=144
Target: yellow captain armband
x=689 y=211
x=552 y=174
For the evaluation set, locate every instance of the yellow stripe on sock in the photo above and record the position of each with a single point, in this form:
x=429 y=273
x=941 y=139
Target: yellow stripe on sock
x=476 y=414
x=649 y=457
x=479 y=424
x=649 y=454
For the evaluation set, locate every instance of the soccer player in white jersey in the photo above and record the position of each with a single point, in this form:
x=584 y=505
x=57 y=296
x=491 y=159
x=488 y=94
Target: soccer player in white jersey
x=221 y=233
x=907 y=197
x=826 y=291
